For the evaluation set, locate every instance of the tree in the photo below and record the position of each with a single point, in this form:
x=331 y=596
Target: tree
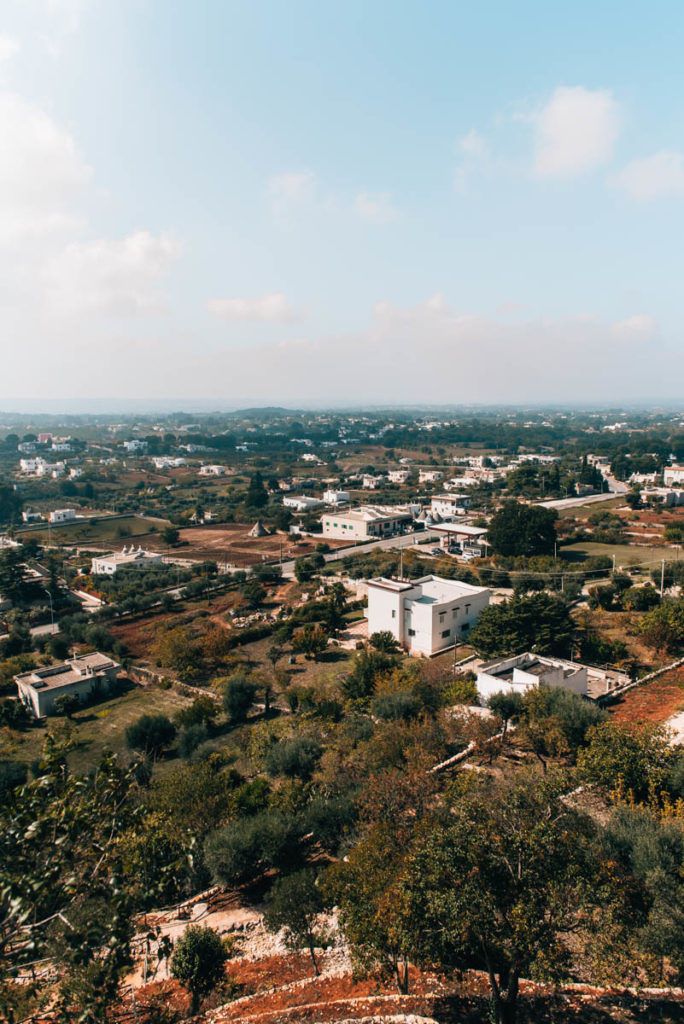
x=63 y=896
x=526 y=530
x=254 y=594
x=257 y=495
x=198 y=962
x=633 y=498
x=242 y=850
x=311 y=641
x=368 y=664
x=398 y=705
x=67 y=704
x=499 y=883
x=170 y=535
x=274 y=654
x=506 y=705
x=663 y=627
x=372 y=907
x=295 y=757
x=537 y=621
x=295 y=904
x=384 y=641
x=190 y=738
x=627 y=759
x=150 y=734
x=238 y=697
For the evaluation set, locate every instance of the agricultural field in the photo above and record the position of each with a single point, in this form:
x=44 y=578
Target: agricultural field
x=653 y=702
x=230 y=543
x=100 y=531
x=625 y=554
x=100 y=726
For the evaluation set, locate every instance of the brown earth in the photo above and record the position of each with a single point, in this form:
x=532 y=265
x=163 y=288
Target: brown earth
x=652 y=702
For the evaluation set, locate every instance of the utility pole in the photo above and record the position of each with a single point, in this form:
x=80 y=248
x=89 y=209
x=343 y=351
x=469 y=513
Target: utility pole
x=662 y=578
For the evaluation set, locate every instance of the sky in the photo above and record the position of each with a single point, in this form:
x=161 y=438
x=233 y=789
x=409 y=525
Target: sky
x=336 y=203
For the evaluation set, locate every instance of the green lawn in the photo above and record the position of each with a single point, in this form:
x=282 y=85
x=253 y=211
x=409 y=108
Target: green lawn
x=592 y=506
x=625 y=554
x=100 y=726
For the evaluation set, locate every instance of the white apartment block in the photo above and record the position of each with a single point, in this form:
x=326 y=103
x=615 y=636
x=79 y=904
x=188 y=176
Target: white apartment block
x=127 y=558
x=371 y=483
x=425 y=616
x=449 y=504
x=430 y=476
x=398 y=476
x=367 y=522
x=673 y=475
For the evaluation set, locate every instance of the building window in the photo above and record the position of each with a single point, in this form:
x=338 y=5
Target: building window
x=455 y=613
x=441 y=618
x=465 y=627
x=412 y=632
x=394 y=613
x=467 y=611
x=446 y=633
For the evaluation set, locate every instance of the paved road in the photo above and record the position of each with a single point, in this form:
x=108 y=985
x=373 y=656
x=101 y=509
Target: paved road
x=47 y=630
x=403 y=541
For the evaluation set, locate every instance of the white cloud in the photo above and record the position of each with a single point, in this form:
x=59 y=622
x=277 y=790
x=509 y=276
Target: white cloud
x=272 y=307
x=286 y=191
x=653 y=176
x=473 y=154
x=118 y=277
x=638 y=326
x=42 y=173
x=8 y=47
x=377 y=208
x=575 y=131
x=472 y=144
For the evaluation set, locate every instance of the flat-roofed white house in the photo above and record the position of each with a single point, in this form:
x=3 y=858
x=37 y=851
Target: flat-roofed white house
x=63 y=515
x=524 y=671
x=430 y=476
x=302 y=503
x=365 y=523
x=39 y=689
x=127 y=558
x=332 y=497
x=398 y=476
x=449 y=504
x=427 y=615
x=673 y=475
x=214 y=470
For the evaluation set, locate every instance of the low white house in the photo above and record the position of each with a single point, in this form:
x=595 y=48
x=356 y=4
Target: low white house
x=39 y=689
x=332 y=497
x=524 y=671
x=63 y=515
x=302 y=503
x=427 y=615
x=29 y=516
x=127 y=558
x=430 y=476
x=212 y=471
x=398 y=476
x=365 y=523
x=135 y=446
x=370 y=482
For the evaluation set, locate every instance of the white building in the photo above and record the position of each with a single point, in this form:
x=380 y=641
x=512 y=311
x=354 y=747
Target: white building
x=63 y=515
x=302 y=503
x=370 y=482
x=135 y=446
x=449 y=504
x=524 y=671
x=427 y=615
x=430 y=476
x=127 y=558
x=39 y=689
x=673 y=476
x=365 y=523
x=29 y=516
x=75 y=472
x=212 y=471
x=167 y=461
x=398 y=476
x=333 y=497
